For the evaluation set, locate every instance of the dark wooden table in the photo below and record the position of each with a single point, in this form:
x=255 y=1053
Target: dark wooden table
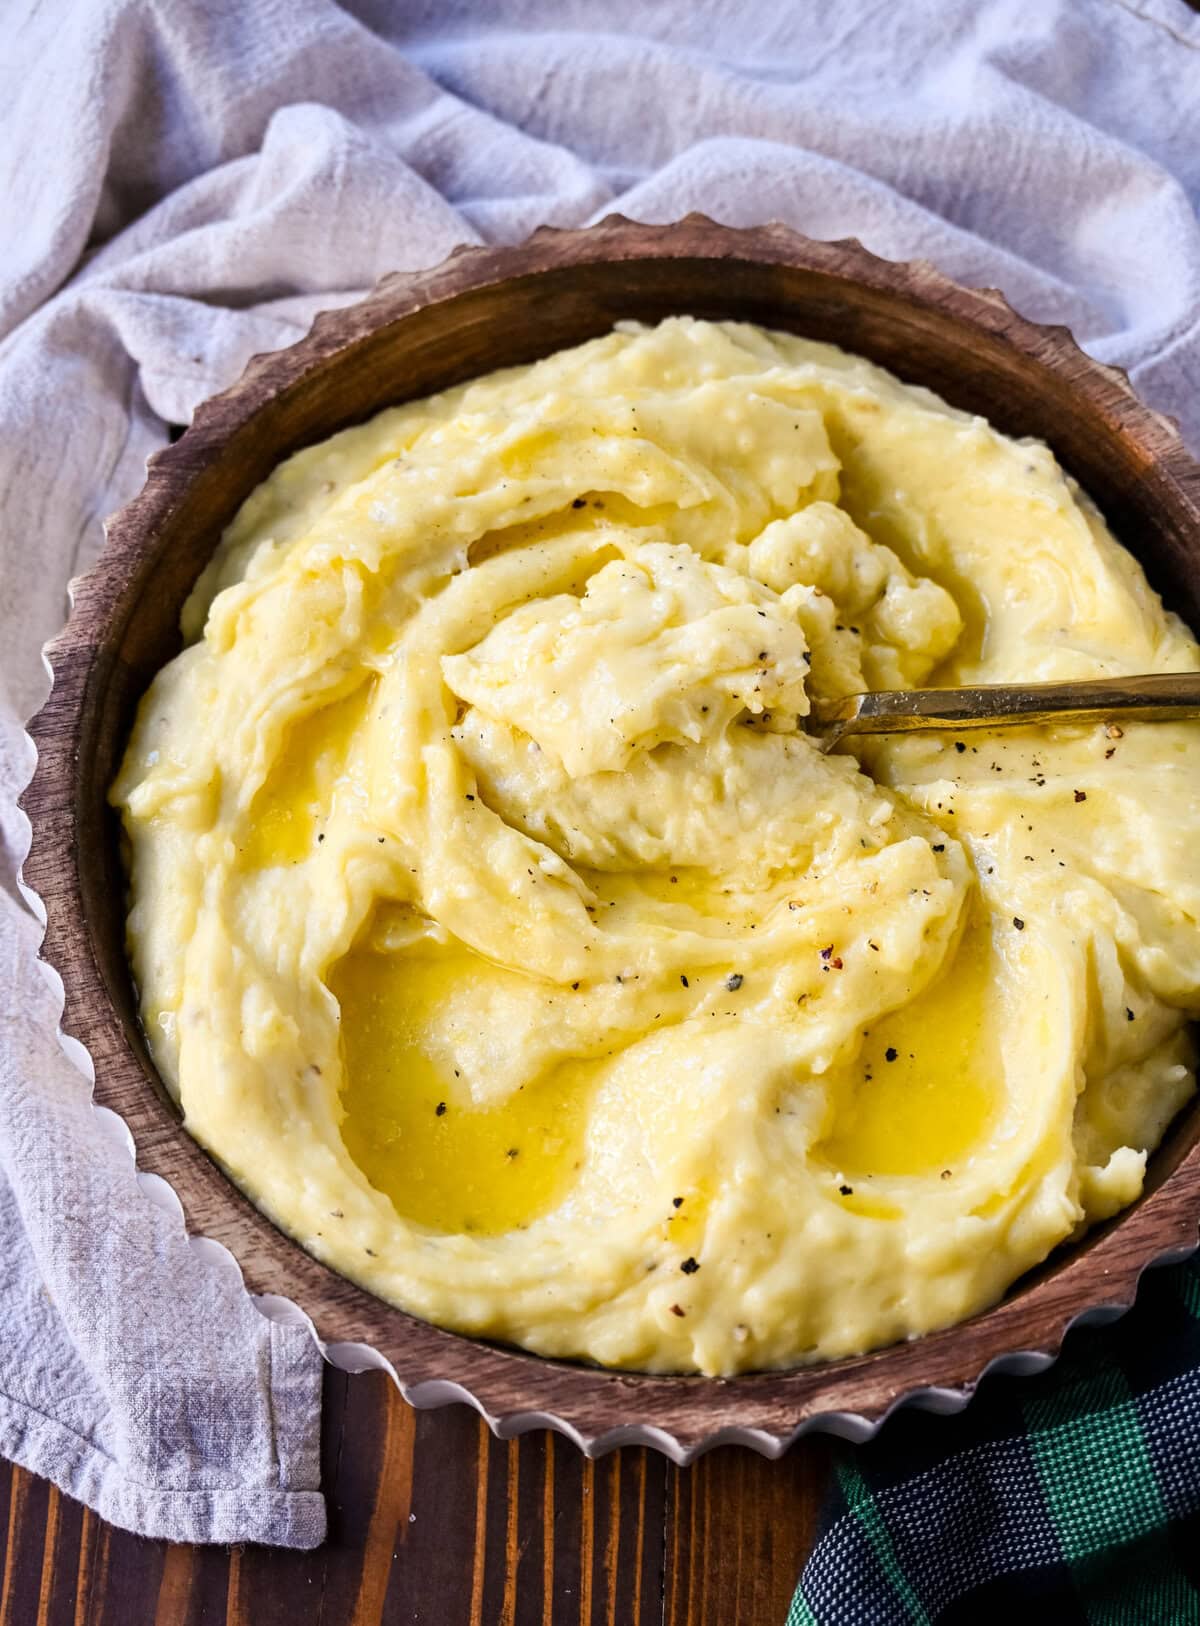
x=433 y=1520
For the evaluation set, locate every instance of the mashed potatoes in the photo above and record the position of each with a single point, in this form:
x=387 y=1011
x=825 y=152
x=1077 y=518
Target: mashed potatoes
x=503 y=934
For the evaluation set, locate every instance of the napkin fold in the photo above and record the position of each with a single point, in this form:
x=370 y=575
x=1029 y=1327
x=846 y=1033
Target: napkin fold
x=183 y=184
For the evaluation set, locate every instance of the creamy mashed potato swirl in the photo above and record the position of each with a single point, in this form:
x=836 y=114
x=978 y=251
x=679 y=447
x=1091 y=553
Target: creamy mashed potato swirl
x=503 y=934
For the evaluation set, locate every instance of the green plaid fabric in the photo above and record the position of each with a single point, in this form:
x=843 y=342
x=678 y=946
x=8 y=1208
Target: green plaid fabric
x=1074 y=1495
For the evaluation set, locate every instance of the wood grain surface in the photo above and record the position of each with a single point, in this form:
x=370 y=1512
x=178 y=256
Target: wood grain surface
x=434 y=1520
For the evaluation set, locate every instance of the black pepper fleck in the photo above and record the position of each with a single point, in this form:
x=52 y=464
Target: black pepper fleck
x=689 y=1266
x=734 y=982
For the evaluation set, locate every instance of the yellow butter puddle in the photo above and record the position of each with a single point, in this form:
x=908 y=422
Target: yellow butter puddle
x=928 y=1083
x=415 y=1133
x=296 y=796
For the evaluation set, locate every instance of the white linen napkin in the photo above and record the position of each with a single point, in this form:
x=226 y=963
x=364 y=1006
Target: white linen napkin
x=186 y=182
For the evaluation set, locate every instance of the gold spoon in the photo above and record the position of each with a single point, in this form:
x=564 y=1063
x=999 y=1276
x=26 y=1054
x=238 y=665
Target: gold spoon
x=1158 y=697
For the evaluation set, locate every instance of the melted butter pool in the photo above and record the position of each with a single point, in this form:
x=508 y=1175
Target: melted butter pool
x=928 y=1083
x=296 y=796
x=415 y=1133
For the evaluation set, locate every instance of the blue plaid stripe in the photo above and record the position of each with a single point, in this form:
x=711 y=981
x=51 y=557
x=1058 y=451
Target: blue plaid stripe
x=1170 y=1416
x=846 y=1582
x=964 y=1501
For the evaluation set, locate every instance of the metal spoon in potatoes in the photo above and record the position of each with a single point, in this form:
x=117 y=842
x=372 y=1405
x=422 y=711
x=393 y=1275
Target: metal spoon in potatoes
x=1158 y=697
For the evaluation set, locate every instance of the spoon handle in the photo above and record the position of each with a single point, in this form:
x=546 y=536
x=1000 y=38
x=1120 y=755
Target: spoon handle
x=1157 y=697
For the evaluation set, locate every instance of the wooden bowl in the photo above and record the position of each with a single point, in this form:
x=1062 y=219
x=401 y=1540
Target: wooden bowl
x=491 y=307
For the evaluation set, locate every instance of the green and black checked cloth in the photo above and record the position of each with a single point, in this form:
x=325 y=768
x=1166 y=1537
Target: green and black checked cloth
x=1070 y=1497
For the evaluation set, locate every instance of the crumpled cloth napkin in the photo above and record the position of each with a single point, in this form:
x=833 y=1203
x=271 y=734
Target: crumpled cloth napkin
x=185 y=182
